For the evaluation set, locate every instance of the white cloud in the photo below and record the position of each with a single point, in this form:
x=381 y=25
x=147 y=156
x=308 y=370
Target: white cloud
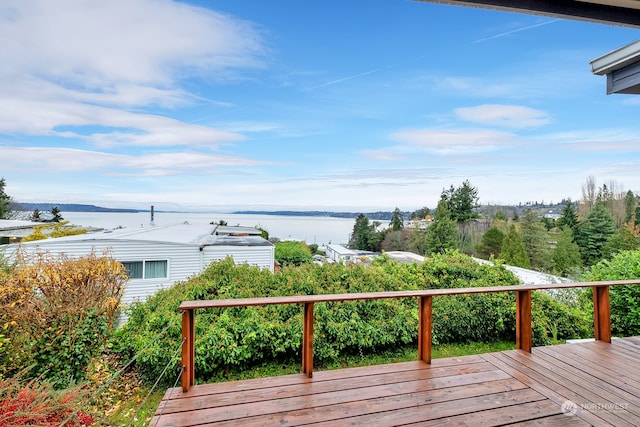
x=385 y=154
x=70 y=160
x=455 y=141
x=74 y=63
x=605 y=140
x=65 y=119
x=508 y=116
x=96 y=44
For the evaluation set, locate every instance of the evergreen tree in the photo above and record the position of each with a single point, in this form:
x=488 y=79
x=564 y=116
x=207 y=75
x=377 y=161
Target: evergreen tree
x=461 y=202
x=630 y=204
x=569 y=216
x=491 y=243
x=361 y=232
x=442 y=234
x=500 y=215
x=36 y=215
x=5 y=201
x=57 y=216
x=513 y=252
x=566 y=254
x=397 y=220
x=594 y=232
x=364 y=236
x=421 y=213
x=535 y=240
x=376 y=237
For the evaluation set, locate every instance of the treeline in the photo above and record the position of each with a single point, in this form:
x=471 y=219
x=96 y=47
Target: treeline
x=604 y=222
x=379 y=215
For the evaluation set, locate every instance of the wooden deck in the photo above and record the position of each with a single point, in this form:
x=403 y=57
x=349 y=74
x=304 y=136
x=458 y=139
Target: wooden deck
x=592 y=383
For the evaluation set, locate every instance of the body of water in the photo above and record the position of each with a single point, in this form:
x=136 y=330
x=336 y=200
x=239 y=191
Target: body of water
x=312 y=229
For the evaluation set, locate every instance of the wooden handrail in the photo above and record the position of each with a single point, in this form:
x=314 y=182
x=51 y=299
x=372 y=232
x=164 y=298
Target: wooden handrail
x=524 y=337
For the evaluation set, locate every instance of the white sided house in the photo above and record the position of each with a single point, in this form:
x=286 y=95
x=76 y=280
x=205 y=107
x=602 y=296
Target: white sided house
x=339 y=253
x=158 y=256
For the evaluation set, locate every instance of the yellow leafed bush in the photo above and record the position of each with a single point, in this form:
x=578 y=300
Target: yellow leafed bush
x=57 y=310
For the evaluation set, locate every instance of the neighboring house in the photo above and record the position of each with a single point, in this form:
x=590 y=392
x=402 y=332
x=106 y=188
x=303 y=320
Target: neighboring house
x=405 y=257
x=158 y=256
x=341 y=254
x=12 y=231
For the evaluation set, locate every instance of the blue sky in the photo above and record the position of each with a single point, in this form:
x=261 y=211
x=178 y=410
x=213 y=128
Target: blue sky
x=343 y=105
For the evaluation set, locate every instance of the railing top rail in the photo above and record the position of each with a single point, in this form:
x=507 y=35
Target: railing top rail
x=305 y=299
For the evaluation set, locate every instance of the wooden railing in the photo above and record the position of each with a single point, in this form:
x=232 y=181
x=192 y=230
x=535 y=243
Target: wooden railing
x=601 y=315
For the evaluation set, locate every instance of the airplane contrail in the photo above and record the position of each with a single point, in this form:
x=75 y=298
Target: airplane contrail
x=517 y=30
x=332 y=82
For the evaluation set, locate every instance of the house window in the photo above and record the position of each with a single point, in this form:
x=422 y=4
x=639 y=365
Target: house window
x=134 y=269
x=155 y=269
x=146 y=269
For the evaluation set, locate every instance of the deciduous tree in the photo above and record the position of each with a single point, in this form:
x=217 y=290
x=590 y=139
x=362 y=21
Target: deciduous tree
x=626 y=238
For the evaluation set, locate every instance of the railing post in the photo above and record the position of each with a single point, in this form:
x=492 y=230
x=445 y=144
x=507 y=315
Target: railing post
x=524 y=337
x=307 y=340
x=425 y=309
x=188 y=355
x=601 y=313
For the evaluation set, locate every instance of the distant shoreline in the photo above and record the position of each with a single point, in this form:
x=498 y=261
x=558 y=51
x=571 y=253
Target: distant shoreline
x=385 y=216
x=73 y=207
x=76 y=207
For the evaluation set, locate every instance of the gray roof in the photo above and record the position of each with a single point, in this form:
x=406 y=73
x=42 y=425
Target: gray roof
x=14 y=224
x=182 y=233
x=622 y=68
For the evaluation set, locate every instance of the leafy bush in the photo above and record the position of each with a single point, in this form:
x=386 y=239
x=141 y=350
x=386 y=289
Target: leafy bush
x=555 y=320
x=239 y=338
x=625 y=300
x=292 y=253
x=56 y=312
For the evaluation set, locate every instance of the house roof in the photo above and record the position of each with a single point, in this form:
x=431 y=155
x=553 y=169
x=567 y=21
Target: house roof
x=616 y=12
x=181 y=233
x=622 y=68
x=14 y=224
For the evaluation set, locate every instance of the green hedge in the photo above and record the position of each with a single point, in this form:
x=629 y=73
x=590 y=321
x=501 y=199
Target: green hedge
x=625 y=300
x=238 y=338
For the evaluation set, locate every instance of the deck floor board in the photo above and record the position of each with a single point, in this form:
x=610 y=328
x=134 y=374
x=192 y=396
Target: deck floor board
x=591 y=383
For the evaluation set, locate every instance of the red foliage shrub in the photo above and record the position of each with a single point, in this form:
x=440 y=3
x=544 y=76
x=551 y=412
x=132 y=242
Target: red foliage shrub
x=36 y=403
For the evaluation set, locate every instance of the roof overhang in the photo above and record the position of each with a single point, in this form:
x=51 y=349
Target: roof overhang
x=615 y=12
x=622 y=68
